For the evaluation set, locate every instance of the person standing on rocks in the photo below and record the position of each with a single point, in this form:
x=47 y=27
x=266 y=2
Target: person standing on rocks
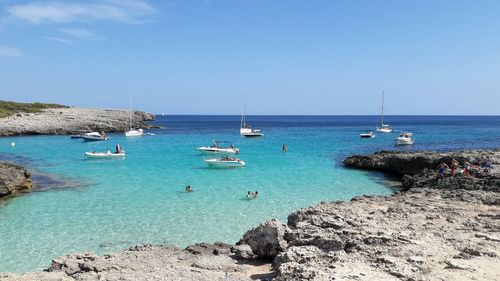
x=442 y=169
x=454 y=166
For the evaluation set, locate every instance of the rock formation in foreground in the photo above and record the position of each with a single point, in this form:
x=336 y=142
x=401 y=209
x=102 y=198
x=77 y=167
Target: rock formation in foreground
x=72 y=120
x=13 y=179
x=448 y=229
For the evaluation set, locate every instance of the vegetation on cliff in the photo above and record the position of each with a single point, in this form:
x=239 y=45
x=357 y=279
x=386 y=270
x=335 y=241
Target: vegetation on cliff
x=9 y=108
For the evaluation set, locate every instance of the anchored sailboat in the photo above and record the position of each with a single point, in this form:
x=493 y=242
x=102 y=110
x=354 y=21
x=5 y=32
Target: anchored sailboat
x=131 y=131
x=245 y=129
x=384 y=128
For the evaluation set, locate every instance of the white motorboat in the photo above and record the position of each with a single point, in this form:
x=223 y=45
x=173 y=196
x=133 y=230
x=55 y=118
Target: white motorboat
x=94 y=136
x=225 y=162
x=384 y=128
x=367 y=135
x=134 y=132
x=107 y=154
x=245 y=129
x=405 y=138
x=216 y=148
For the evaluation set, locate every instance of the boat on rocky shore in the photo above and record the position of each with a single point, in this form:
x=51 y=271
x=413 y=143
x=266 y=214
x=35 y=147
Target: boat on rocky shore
x=436 y=229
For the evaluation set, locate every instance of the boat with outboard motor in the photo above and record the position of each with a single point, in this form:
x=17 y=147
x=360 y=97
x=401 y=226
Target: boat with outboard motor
x=94 y=136
x=217 y=148
x=405 y=138
x=107 y=154
x=225 y=162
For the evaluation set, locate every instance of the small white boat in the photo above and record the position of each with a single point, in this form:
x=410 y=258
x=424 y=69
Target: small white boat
x=94 y=136
x=367 y=135
x=107 y=154
x=253 y=133
x=216 y=148
x=405 y=138
x=384 y=128
x=131 y=131
x=134 y=132
x=225 y=162
x=245 y=129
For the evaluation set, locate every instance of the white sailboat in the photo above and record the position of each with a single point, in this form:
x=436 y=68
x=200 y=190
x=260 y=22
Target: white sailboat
x=131 y=131
x=384 y=128
x=245 y=129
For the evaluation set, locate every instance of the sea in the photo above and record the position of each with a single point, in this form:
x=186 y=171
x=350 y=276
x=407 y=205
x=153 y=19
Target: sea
x=103 y=206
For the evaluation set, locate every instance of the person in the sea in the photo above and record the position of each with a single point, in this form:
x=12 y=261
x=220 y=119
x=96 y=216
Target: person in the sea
x=284 y=148
x=442 y=169
x=454 y=166
x=256 y=194
x=188 y=188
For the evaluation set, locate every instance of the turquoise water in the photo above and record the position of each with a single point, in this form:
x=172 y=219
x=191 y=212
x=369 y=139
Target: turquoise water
x=140 y=199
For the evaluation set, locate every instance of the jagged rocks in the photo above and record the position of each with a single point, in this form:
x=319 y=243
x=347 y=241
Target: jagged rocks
x=13 y=179
x=266 y=240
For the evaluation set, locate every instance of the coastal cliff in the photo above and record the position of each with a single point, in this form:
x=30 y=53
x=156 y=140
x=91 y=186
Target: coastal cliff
x=13 y=179
x=72 y=120
x=440 y=228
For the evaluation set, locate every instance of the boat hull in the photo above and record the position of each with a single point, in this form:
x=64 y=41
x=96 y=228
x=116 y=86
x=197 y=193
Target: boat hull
x=218 y=150
x=93 y=139
x=104 y=155
x=404 y=141
x=384 y=130
x=225 y=164
x=253 y=134
x=134 y=133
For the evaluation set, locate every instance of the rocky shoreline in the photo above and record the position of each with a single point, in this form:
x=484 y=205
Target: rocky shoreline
x=72 y=120
x=13 y=179
x=438 y=229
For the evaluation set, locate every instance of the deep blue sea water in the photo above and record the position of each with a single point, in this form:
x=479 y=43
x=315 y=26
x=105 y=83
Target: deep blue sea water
x=109 y=205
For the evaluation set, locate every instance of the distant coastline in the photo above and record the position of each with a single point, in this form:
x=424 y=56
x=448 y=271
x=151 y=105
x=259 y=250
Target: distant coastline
x=50 y=119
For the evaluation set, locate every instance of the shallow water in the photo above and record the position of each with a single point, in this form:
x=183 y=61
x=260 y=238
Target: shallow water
x=141 y=199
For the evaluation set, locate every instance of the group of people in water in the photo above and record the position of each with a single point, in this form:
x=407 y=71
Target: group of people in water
x=250 y=194
x=469 y=170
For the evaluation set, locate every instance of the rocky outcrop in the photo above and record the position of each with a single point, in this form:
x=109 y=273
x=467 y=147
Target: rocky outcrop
x=202 y=262
x=419 y=169
x=412 y=163
x=266 y=240
x=13 y=179
x=72 y=120
x=421 y=234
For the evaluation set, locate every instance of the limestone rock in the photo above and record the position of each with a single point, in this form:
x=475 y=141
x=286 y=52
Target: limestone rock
x=266 y=240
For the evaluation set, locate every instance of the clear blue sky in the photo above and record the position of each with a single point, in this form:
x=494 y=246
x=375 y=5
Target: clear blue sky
x=287 y=57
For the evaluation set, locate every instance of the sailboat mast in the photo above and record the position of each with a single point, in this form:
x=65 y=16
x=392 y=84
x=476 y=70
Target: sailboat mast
x=382 y=116
x=130 y=113
x=243 y=117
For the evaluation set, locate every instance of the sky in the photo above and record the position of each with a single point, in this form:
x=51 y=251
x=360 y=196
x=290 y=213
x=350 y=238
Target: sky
x=325 y=57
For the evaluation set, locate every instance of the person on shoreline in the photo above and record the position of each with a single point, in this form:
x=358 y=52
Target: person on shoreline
x=467 y=168
x=442 y=170
x=454 y=166
x=488 y=164
x=188 y=188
